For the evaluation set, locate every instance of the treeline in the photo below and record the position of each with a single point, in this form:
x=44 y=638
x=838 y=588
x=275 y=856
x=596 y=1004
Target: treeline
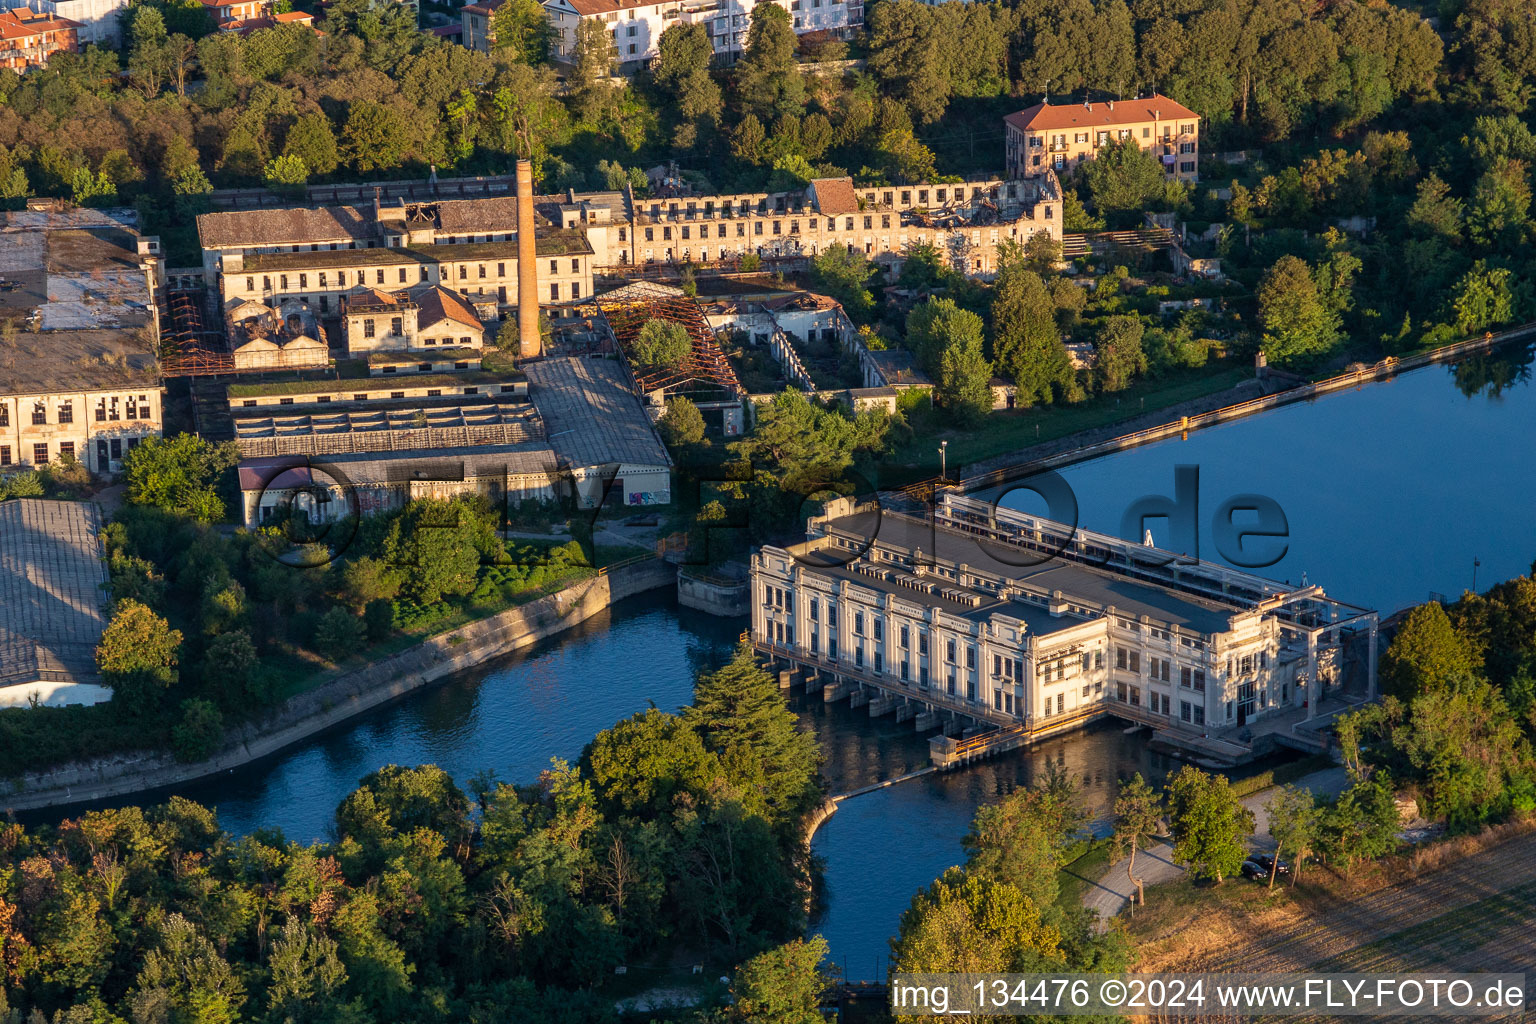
x=1458 y=720
x=508 y=902
x=207 y=629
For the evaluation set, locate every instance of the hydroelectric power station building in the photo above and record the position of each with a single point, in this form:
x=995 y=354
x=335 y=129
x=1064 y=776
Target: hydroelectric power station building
x=999 y=628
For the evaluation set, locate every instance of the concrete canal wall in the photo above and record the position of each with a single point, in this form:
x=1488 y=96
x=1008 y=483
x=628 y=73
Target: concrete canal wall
x=349 y=694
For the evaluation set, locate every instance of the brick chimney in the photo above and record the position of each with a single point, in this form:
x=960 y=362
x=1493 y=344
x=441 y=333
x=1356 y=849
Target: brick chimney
x=530 y=345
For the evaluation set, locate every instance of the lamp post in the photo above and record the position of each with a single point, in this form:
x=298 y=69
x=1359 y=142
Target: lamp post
x=1475 y=563
x=943 y=470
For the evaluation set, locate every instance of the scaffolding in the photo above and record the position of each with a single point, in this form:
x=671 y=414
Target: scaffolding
x=188 y=346
x=706 y=370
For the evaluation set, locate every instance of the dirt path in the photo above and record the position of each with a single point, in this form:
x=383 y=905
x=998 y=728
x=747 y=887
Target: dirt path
x=1109 y=893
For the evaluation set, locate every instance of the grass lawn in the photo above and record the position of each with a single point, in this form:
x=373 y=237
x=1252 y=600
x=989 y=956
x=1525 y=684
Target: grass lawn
x=1077 y=877
x=1004 y=432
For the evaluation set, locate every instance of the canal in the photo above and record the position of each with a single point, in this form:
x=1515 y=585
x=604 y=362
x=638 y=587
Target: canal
x=1390 y=493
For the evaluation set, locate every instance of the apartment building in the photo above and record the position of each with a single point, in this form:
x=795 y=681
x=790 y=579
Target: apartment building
x=637 y=25
x=28 y=38
x=91 y=396
x=966 y=221
x=1061 y=136
x=322 y=256
x=234 y=15
x=1016 y=622
x=97 y=20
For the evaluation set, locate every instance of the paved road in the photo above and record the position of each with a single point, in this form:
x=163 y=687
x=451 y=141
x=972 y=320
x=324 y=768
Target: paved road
x=1108 y=894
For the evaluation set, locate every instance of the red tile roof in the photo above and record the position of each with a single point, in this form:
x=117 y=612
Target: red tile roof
x=439 y=304
x=1057 y=116
x=21 y=23
x=835 y=196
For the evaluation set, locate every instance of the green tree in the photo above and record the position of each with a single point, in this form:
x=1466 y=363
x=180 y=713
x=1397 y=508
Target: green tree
x=844 y=273
x=1293 y=823
x=438 y=547
x=230 y=658
x=683 y=57
x=137 y=654
x=1025 y=838
x=1210 y=827
x=1118 y=351
x=782 y=985
x=1483 y=298
x=286 y=174
x=376 y=136
x=964 y=923
x=521 y=29
x=661 y=344
x=313 y=140
x=1435 y=212
x=768 y=80
x=1299 y=327
x=1124 y=177
x=743 y=719
x=1426 y=654
x=594 y=62
x=1138 y=817
x=339 y=634
x=179 y=475
x=200 y=732
x=964 y=387
x=1026 y=343
x=1362 y=824
x=369 y=579
x=682 y=424
x=308 y=977
x=648 y=760
x=904 y=158
x=1499 y=209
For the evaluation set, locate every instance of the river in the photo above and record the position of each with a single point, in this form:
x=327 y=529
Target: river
x=1390 y=493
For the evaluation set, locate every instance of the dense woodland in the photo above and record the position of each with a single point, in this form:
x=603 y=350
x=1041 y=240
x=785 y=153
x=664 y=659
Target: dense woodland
x=675 y=834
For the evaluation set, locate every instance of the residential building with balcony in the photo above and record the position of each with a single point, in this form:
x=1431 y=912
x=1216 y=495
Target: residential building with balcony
x=1061 y=136
x=636 y=25
x=28 y=38
x=98 y=20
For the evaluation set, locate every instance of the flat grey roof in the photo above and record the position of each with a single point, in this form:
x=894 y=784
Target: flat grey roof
x=591 y=415
x=51 y=597
x=50 y=362
x=401 y=466
x=1077 y=582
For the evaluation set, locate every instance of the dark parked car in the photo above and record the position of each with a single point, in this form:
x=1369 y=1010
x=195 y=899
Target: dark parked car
x=1258 y=867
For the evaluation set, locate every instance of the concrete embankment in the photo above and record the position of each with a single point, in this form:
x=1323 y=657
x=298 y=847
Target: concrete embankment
x=349 y=694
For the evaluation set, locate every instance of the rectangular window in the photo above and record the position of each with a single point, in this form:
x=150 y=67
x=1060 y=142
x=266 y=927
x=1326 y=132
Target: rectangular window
x=922 y=643
x=396 y=325
x=5 y=415
x=554 y=293
x=1061 y=703
x=5 y=455
x=1120 y=656
x=879 y=625
x=40 y=454
x=66 y=448
x=905 y=637
x=66 y=412
x=39 y=414
x=1136 y=662
x=879 y=663
x=949 y=651
x=858 y=623
x=367 y=328
x=1184 y=677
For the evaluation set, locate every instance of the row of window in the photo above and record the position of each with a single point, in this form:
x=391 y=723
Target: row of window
x=105 y=448
x=481 y=273
x=106 y=410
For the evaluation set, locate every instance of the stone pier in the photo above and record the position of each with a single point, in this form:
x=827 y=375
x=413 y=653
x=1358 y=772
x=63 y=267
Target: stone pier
x=786 y=677
x=813 y=681
x=905 y=709
x=836 y=689
x=882 y=705
x=928 y=719
x=858 y=698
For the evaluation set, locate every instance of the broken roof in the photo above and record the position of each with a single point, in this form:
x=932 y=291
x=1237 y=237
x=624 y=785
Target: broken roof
x=287 y=226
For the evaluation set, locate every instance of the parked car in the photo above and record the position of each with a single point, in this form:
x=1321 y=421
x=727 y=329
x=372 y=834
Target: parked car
x=1259 y=866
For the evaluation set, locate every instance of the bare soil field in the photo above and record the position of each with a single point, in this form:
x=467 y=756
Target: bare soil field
x=1464 y=905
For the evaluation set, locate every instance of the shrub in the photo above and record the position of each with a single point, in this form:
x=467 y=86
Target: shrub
x=200 y=733
x=339 y=634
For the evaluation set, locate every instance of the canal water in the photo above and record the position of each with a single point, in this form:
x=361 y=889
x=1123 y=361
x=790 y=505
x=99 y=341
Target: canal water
x=1390 y=493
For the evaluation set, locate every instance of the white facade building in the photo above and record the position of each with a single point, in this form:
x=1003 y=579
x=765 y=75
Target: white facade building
x=1003 y=620
x=637 y=26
